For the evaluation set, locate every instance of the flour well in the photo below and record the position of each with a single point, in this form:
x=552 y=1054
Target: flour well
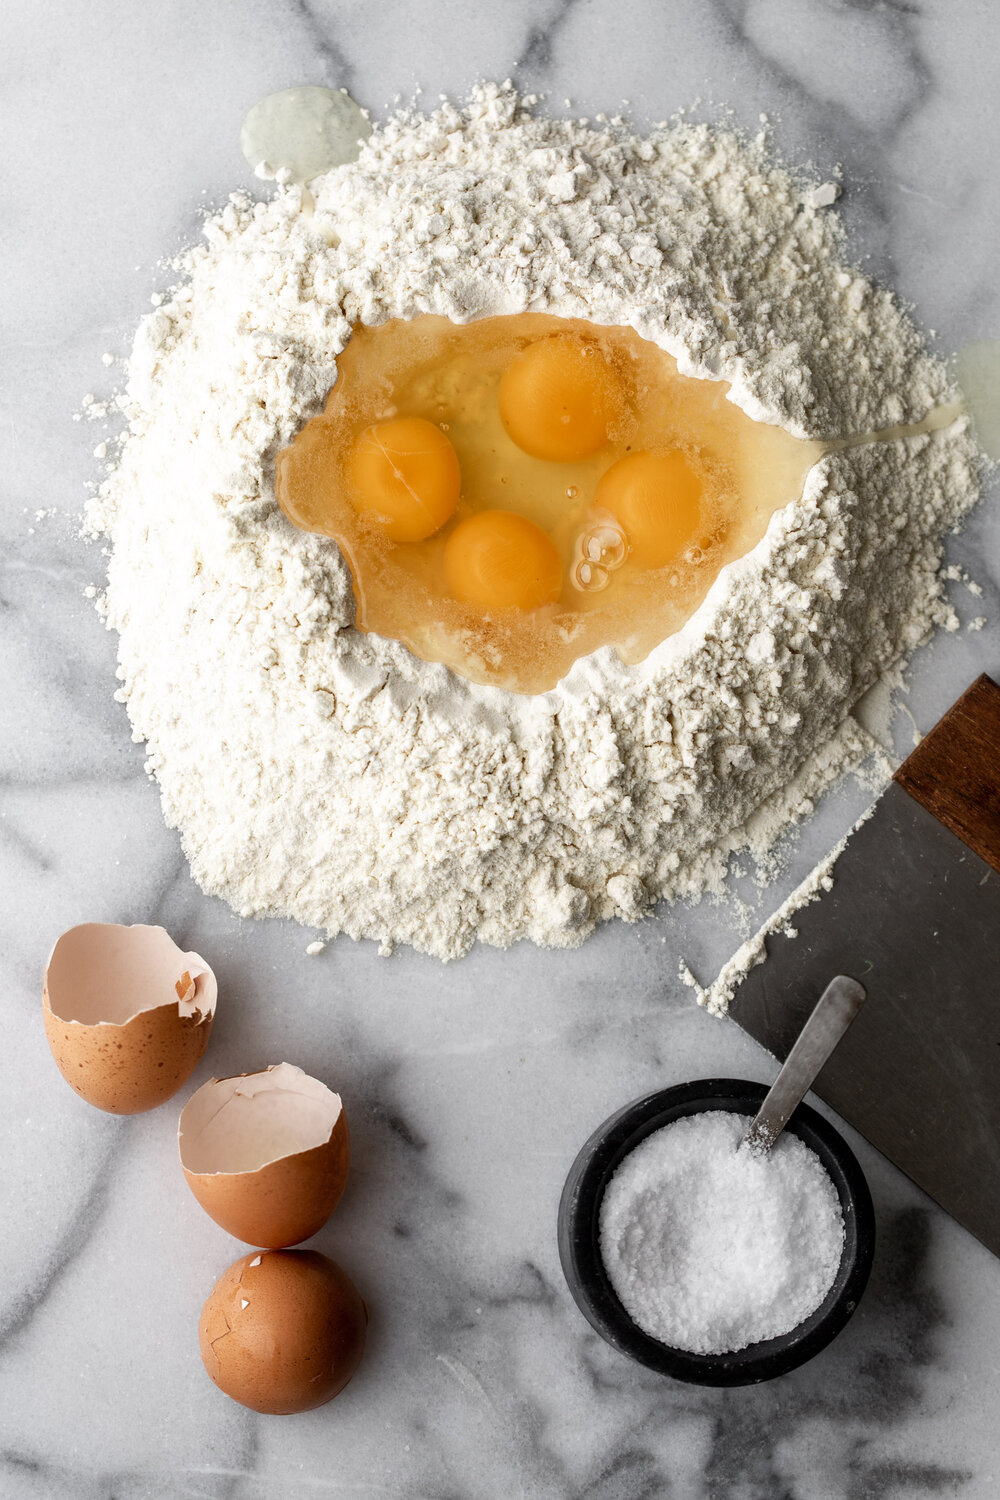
x=319 y=772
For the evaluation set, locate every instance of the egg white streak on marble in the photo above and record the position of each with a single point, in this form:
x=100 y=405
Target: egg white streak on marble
x=468 y=1088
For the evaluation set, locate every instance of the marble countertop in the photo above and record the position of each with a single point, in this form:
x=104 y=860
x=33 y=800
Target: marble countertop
x=468 y=1087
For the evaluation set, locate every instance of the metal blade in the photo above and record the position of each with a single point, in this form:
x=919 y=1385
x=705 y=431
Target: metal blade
x=914 y=916
x=834 y=1011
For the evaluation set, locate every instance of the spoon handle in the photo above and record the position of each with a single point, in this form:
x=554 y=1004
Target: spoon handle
x=833 y=1013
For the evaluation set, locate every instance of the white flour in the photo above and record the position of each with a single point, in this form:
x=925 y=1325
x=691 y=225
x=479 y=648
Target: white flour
x=716 y=996
x=326 y=774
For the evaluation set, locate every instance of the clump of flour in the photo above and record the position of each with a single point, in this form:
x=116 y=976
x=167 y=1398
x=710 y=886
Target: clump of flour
x=319 y=772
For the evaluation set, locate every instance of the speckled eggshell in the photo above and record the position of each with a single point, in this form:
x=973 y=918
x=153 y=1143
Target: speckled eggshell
x=131 y=1068
x=125 y=1066
x=283 y=1331
x=280 y=1202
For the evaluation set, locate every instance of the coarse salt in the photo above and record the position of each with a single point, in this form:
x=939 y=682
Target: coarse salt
x=710 y=1247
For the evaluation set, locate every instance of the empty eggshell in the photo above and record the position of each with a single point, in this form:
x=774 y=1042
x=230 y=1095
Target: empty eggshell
x=127 y=1014
x=266 y=1154
x=283 y=1331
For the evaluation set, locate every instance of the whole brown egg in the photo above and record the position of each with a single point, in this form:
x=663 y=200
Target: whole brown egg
x=283 y=1330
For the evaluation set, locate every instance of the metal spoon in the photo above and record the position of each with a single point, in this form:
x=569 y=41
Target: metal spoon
x=833 y=1013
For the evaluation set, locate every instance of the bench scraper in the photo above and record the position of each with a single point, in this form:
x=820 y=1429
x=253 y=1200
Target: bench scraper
x=914 y=915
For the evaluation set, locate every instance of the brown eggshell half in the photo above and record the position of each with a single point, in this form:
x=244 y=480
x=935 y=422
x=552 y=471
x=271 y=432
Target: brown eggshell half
x=283 y=1331
x=127 y=1014
x=266 y=1154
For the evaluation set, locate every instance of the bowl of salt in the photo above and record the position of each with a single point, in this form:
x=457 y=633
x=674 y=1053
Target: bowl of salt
x=717 y=1231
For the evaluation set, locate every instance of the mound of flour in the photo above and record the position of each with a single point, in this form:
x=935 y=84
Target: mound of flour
x=319 y=772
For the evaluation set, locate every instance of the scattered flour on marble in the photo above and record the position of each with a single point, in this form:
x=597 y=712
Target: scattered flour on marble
x=323 y=773
x=716 y=997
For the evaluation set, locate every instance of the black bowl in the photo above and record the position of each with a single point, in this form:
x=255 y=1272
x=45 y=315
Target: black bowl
x=579 y=1241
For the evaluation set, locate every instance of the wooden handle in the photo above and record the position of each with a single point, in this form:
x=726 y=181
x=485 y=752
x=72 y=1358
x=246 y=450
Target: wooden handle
x=955 y=770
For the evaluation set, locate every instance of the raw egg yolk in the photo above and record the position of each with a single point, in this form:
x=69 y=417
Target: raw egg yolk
x=499 y=560
x=558 y=398
x=656 y=499
x=404 y=476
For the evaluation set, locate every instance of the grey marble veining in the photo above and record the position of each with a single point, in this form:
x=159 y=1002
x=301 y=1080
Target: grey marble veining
x=468 y=1087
